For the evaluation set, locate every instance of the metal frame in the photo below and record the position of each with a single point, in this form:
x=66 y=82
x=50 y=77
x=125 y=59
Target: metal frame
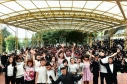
x=36 y=25
x=70 y=19
x=49 y=19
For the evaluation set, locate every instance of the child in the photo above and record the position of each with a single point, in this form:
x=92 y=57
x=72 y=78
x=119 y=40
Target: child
x=20 y=71
x=50 y=72
x=10 y=71
x=95 y=69
x=41 y=73
x=29 y=71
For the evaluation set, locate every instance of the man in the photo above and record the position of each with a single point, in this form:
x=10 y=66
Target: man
x=103 y=70
x=66 y=77
x=95 y=69
x=111 y=70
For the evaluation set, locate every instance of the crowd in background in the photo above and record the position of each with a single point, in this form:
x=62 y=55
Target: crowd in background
x=41 y=65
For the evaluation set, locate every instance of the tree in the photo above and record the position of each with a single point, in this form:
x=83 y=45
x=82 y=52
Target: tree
x=66 y=36
x=10 y=43
x=5 y=34
x=76 y=37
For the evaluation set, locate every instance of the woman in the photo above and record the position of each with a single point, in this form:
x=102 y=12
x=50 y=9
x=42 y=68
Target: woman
x=60 y=57
x=10 y=71
x=87 y=73
x=53 y=62
x=73 y=67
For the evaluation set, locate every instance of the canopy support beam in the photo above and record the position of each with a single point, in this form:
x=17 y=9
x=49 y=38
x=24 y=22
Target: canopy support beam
x=121 y=9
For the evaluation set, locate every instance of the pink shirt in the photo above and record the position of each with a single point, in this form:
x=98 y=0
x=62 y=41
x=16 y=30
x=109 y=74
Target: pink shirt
x=60 y=61
x=29 y=74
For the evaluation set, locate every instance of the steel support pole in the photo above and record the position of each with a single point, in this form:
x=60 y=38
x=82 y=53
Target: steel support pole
x=125 y=38
x=111 y=40
x=1 y=40
x=16 y=39
x=26 y=39
x=90 y=38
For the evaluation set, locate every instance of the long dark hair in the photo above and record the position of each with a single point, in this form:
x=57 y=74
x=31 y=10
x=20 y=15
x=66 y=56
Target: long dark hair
x=13 y=63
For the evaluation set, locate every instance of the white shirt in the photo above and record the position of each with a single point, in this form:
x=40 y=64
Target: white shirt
x=81 y=67
x=111 y=67
x=10 y=69
x=126 y=60
x=20 y=70
x=50 y=73
x=103 y=68
x=73 y=67
x=42 y=71
x=37 y=64
x=68 y=58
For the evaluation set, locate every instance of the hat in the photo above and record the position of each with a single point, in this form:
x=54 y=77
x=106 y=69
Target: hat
x=62 y=67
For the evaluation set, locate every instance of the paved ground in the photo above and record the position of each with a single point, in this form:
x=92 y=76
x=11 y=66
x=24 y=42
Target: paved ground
x=122 y=79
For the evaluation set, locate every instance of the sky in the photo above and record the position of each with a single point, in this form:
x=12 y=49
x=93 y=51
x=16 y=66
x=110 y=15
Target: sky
x=21 y=32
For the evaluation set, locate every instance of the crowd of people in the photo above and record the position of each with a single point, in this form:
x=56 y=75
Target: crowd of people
x=65 y=64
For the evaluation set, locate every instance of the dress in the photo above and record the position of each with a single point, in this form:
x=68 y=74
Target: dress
x=87 y=76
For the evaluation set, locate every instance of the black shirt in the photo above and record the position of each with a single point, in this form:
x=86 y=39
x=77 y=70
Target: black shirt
x=69 y=78
x=95 y=67
x=4 y=60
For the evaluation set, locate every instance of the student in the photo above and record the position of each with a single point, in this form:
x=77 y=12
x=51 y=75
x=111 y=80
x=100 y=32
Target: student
x=103 y=70
x=87 y=73
x=73 y=67
x=95 y=69
x=65 y=63
x=111 y=70
x=66 y=77
x=60 y=57
x=50 y=72
x=20 y=71
x=41 y=73
x=81 y=68
x=10 y=71
x=37 y=61
x=29 y=71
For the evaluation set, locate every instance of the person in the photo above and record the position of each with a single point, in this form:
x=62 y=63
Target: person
x=66 y=77
x=87 y=73
x=4 y=58
x=10 y=71
x=41 y=79
x=81 y=68
x=73 y=66
x=103 y=70
x=65 y=64
x=50 y=72
x=68 y=55
x=29 y=71
x=95 y=69
x=111 y=70
x=20 y=71
x=60 y=57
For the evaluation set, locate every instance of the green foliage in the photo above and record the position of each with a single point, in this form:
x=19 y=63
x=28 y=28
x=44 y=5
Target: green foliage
x=10 y=43
x=26 y=43
x=5 y=34
x=66 y=36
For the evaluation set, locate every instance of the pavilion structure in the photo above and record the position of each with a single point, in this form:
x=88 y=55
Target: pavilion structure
x=48 y=15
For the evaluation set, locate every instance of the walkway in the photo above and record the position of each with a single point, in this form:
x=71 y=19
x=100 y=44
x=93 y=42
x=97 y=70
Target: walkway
x=122 y=79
